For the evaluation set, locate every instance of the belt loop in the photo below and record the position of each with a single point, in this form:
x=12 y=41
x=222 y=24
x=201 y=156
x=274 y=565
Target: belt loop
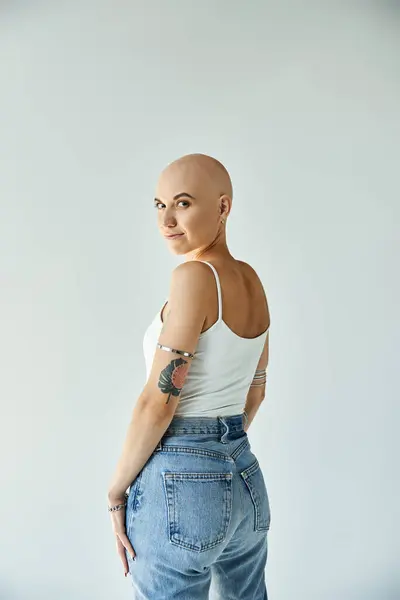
x=226 y=432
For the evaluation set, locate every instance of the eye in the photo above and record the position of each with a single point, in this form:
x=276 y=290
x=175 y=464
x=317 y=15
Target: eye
x=158 y=204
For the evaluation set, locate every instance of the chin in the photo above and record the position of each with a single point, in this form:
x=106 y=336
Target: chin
x=177 y=247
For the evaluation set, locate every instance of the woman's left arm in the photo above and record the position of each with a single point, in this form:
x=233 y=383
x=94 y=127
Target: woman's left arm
x=144 y=432
x=159 y=399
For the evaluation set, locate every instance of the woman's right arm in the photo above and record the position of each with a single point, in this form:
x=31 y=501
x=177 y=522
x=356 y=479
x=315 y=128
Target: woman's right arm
x=256 y=393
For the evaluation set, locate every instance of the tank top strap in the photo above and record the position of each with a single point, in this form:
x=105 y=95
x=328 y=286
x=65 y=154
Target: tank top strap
x=219 y=292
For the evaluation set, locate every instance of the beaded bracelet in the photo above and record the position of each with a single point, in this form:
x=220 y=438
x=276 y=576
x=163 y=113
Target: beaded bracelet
x=119 y=506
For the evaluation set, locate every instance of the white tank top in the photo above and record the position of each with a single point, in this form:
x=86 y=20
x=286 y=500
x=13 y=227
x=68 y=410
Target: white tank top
x=221 y=371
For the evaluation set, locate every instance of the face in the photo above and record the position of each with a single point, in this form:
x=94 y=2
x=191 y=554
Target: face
x=188 y=207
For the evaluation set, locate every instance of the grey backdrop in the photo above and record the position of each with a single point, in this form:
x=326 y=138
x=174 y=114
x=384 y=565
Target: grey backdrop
x=301 y=102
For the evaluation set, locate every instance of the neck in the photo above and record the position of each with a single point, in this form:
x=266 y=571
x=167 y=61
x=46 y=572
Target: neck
x=217 y=251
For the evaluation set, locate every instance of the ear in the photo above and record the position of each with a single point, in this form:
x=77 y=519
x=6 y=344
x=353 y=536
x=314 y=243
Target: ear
x=225 y=205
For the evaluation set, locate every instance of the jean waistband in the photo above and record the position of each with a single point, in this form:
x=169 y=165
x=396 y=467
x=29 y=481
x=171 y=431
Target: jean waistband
x=226 y=428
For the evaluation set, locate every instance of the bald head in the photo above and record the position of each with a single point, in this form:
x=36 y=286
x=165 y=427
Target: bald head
x=204 y=173
x=193 y=201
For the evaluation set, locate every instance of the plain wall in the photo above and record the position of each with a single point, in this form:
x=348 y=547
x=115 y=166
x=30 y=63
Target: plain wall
x=300 y=100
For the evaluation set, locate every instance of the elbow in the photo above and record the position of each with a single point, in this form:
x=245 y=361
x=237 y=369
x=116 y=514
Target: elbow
x=156 y=409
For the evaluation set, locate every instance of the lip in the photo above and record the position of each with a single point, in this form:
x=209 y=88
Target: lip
x=174 y=235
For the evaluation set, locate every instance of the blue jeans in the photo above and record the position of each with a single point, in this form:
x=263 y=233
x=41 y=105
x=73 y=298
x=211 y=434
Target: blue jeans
x=198 y=515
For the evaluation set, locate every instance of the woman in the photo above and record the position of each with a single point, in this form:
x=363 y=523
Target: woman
x=197 y=513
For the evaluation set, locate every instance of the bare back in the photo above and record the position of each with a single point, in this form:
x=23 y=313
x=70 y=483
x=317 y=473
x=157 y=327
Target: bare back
x=244 y=304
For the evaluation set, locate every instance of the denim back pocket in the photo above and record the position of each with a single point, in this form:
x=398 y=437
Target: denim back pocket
x=199 y=508
x=255 y=483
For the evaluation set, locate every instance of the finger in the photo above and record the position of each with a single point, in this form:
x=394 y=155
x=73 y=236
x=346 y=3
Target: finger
x=122 y=555
x=125 y=541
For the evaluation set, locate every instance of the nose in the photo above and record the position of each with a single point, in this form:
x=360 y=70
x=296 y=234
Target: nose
x=168 y=219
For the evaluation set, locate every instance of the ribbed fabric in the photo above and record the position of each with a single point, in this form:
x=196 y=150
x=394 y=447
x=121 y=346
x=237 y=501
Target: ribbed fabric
x=221 y=371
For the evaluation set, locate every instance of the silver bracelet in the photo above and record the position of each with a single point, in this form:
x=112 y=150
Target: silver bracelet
x=182 y=352
x=259 y=378
x=261 y=371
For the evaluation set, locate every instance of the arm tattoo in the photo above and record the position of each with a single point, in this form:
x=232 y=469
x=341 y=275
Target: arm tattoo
x=172 y=377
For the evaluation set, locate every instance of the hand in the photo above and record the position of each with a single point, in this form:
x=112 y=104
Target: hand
x=122 y=540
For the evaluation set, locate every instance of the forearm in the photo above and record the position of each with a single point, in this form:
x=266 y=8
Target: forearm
x=253 y=402
x=144 y=432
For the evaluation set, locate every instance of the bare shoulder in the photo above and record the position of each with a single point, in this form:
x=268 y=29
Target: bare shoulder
x=193 y=276
x=247 y=267
x=258 y=284
x=191 y=266
x=191 y=269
